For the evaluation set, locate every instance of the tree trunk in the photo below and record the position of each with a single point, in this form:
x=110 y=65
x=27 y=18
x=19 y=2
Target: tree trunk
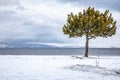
x=86 y=47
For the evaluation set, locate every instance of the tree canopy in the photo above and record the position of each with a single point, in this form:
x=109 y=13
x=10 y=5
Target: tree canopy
x=90 y=23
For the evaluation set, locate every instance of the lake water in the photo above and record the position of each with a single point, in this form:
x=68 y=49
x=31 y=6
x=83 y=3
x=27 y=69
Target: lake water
x=60 y=51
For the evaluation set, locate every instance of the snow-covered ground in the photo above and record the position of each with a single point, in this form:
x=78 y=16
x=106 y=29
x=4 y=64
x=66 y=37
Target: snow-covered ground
x=59 y=68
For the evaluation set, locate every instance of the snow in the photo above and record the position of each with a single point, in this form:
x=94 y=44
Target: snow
x=26 y=67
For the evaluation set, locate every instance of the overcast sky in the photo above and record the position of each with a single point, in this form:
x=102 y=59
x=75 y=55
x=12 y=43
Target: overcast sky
x=41 y=21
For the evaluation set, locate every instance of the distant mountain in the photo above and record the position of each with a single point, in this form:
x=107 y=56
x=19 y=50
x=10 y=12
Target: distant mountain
x=40 y=45
x=25 y=45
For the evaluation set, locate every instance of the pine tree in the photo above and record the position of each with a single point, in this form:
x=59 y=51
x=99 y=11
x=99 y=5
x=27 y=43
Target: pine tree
x=91 y=24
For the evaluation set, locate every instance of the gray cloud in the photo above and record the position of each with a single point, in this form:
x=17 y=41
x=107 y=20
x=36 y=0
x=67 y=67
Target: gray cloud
x=9 y=2
x=9 y=24
x=7 y=17
x=13 y=27
x=108 y=4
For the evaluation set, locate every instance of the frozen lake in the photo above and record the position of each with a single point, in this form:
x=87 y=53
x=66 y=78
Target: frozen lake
x=60 y=51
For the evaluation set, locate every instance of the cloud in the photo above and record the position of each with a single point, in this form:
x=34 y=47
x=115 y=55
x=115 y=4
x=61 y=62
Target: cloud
x=9 y=2
x=14 y=27
x=42 y=20
x=108 y=4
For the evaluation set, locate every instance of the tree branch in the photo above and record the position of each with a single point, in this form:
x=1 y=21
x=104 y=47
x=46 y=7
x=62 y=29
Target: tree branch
x=91 y=37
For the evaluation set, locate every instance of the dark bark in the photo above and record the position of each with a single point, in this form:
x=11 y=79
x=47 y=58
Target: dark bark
x=87 y=39
x=86 y=46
